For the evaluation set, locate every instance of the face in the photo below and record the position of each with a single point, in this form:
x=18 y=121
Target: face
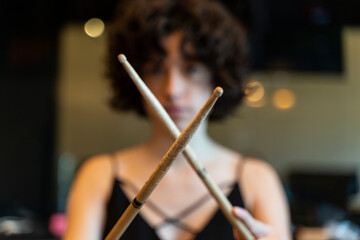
x=182 y=86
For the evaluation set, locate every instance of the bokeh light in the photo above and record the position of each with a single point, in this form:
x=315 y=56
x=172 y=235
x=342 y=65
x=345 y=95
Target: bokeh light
x=284 y=99
x=255 y=93
x=94 y=27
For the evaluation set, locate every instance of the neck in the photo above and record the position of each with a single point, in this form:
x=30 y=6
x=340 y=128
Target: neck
x=161 y=141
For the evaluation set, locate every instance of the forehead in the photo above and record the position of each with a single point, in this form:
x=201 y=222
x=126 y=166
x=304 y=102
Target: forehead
x=173 y=45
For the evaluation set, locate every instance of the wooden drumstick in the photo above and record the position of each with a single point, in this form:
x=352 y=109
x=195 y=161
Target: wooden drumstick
x=215 y=191
x=164 y=165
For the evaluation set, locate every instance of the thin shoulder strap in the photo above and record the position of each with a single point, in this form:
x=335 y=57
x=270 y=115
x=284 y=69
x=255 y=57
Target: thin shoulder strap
x=240 y=178
x=240 y=168
x=114 y=165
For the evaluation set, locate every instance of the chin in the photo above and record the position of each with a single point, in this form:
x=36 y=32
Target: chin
x=181 y=123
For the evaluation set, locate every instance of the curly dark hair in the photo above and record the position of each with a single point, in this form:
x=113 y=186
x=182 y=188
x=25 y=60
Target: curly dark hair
x=218 y=40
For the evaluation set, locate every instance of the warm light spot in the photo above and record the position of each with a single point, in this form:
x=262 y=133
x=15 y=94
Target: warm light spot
x=257 y=104
x=255 y=93
x=94 y=27
x=284 y=99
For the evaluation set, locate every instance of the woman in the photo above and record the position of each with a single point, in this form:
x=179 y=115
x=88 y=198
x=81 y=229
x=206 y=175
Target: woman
x=182 y=49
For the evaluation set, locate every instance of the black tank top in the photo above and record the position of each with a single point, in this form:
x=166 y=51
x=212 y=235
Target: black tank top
x=217 y=228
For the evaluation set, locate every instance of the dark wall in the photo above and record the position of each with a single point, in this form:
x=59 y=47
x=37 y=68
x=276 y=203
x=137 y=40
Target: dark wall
x=28 y=68
x=27 y=144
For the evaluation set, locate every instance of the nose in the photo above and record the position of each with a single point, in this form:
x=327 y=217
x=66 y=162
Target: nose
x=174 y=84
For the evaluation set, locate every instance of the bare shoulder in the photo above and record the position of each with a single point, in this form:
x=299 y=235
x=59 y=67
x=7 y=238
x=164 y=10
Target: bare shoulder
x=96 y=166
x=258 y=177
x=259 y=169
x=95 y=174
x=89 y=194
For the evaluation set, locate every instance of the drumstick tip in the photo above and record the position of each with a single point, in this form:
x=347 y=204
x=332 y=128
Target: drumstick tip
x=122 y=58
x=218 y=91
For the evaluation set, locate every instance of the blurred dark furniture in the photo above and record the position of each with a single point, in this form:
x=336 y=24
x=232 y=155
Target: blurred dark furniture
x=317 y=197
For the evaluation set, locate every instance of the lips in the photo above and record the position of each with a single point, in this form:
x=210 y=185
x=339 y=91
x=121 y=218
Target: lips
x=175 y=111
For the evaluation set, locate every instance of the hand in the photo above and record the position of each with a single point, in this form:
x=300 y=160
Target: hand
x=259 y=230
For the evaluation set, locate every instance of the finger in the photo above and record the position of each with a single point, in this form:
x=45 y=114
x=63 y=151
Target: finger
x=236 y=234
x=257 y=228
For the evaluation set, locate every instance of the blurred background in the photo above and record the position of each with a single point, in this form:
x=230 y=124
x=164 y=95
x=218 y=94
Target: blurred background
x=301 y=116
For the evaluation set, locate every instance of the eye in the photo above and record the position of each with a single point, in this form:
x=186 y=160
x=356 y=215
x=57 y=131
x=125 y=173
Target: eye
x=154 y=69
x=196 y=72
x=194 y=68
x=157 y=69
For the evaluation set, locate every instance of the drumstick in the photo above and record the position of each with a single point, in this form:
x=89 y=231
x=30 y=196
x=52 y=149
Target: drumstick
x=215 y=191
x=164 y=165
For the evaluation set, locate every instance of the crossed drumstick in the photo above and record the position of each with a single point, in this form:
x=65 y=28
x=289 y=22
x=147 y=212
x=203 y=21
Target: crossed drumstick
x=179 y=146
